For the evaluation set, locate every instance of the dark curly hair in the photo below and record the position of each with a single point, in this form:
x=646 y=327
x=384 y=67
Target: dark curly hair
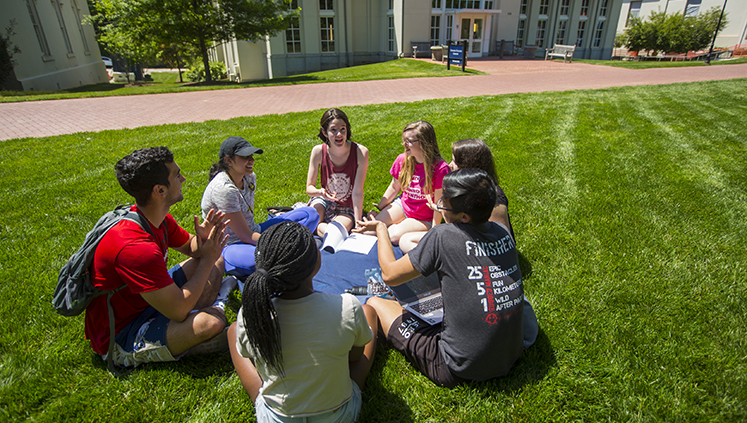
x=286 y=255
x=143 y=169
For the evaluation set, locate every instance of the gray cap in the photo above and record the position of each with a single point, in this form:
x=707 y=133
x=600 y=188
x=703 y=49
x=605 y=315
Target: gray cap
x=237 y=146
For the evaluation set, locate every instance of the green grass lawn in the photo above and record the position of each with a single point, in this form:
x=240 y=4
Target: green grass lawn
x=630 y=64
x=168 y=82
x=630 y=211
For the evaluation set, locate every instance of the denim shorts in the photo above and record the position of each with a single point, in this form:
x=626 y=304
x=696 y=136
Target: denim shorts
x=143 y=340
x=347 y=412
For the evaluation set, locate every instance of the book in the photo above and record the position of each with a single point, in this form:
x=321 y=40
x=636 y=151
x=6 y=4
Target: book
x=337 y=239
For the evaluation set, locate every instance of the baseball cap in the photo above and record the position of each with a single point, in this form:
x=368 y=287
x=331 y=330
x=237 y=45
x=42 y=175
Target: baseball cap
x=237 y=146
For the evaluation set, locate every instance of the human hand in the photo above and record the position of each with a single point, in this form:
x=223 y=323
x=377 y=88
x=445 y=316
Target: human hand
x=212 y=246
x=213 y=219
x=367 y=224
x=327 y=196
x=431 y=204
x=203 y=230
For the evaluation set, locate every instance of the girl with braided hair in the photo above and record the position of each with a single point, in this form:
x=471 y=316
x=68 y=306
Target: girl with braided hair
x=300 y=353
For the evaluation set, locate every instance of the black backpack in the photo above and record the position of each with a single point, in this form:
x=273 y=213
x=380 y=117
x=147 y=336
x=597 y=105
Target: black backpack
x=74 y=289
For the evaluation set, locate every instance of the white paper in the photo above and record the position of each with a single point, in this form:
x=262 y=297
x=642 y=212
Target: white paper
x=337 y=239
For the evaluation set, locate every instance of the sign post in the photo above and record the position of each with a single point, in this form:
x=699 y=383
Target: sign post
x=457 y=54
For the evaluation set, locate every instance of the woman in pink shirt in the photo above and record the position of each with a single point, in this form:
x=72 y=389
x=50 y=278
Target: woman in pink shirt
x=417 y=174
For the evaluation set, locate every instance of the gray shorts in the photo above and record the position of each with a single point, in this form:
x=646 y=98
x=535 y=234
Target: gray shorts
x=332 y=209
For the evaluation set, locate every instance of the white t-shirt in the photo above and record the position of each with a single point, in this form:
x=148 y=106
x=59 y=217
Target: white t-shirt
x=317 y=333
x=223 y=195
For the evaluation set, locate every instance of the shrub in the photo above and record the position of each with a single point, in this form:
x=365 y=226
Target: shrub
x=197 y=72
x=675 y=33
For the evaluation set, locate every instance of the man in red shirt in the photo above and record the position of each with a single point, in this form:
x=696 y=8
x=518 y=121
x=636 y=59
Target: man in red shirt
x=160 y=313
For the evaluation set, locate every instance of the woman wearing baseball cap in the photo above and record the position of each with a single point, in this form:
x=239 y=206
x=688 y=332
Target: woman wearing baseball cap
x=231 y=190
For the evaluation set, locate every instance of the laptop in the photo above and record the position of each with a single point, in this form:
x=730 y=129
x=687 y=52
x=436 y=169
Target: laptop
x=422 y=297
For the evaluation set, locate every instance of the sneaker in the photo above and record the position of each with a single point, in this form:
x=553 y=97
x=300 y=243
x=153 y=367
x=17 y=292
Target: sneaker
x=216 y=344
x=226 y=286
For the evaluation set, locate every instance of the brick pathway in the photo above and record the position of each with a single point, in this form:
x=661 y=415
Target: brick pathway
x=55 y=117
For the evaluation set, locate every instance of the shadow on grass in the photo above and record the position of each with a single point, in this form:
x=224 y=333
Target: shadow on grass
x=532 y=367
x=380 y=402
x=199 y=366
x=525 y=265
x=95 y=88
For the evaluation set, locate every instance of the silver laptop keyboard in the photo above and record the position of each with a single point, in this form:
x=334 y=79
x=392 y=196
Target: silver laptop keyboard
x=425 y=307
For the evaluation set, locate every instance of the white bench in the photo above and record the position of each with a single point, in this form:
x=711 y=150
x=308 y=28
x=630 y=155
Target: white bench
x=560 y=50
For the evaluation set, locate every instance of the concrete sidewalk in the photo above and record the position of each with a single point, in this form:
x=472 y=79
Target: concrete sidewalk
x=56 y=117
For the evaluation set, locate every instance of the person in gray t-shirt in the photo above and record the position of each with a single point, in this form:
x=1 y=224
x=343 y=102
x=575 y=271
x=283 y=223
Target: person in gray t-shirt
x=231 y=190
x=481 y=335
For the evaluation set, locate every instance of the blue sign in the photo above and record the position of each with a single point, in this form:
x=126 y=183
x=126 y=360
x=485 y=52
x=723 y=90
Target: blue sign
x=456 y=52
x=457 y=55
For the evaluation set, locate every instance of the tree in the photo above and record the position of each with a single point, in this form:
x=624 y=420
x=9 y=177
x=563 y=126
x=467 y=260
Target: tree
x=675 y=33
x=7 y=51
x=168 y=24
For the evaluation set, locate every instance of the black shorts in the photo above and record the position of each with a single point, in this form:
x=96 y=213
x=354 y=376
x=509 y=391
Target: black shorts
x=418 y=342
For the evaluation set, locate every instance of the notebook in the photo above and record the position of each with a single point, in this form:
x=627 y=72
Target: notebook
x=422 y=297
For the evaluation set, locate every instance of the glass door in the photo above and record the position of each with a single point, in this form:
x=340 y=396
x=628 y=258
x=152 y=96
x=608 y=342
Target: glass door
x=472 y=31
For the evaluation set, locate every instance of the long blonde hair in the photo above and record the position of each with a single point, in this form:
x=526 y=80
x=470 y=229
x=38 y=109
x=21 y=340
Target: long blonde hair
x=426 y=136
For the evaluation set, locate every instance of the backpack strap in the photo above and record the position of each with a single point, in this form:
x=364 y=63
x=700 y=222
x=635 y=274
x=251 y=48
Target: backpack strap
x=143 y=222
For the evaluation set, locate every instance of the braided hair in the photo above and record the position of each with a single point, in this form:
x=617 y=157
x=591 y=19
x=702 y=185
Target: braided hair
x=286 y=255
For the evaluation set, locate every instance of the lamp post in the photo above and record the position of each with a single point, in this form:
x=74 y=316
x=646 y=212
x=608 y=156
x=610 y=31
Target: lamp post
x=715 y=33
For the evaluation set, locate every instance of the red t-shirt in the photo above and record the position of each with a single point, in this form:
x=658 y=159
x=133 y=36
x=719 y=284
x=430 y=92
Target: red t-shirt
x=129 y=255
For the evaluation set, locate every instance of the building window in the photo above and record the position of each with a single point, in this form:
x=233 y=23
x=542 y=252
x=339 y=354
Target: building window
x=598 y=34
x=488 y=4
x=564 y=6
x=391 y=36
x=293 y=33
x=435 y=30
x=523 y=8
x=326 y=4
x=78 y=21
x=541 y=26
x=463 y=4
x=520 y=33
x=603 y=9
x=560 y=35
x=327 y=25
x=436 y=4
x=449 y=27
x=634 y=11
x=584 y=7
x=544 y=7
x=692 y=8
x=391 y=4
x=58 y=10
x=34 y=15
x=580 y=33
